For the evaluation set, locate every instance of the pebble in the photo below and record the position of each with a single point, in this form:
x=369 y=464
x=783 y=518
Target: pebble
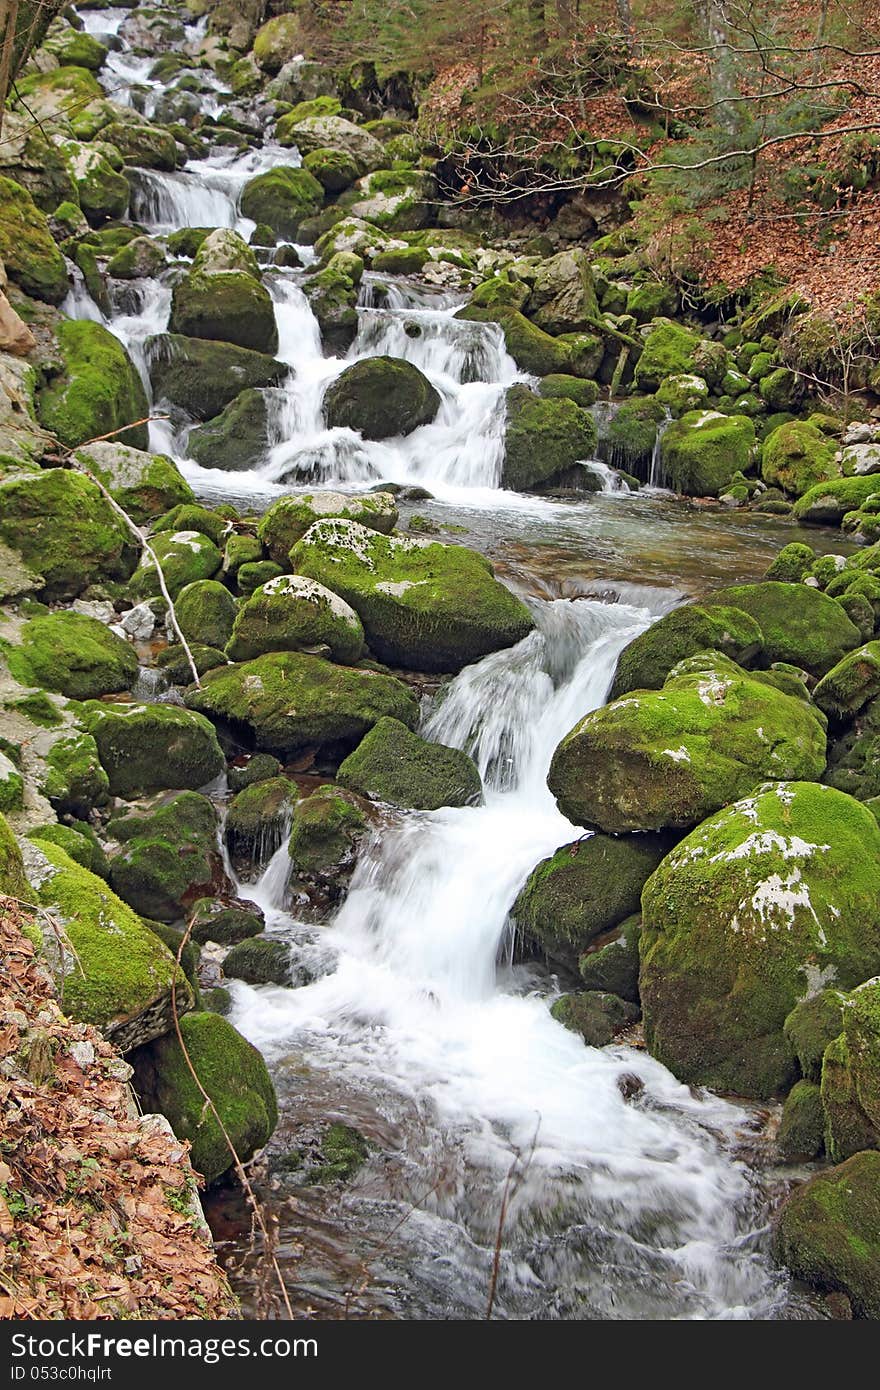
x=138 y=622
x=83 y=1054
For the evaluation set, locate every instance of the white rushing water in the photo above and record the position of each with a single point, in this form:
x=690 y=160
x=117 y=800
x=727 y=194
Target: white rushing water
x=419 y=1007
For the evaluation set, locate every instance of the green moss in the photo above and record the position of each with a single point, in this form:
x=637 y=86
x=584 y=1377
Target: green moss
x=75 y=782
x=827 y=1232
x=39 y=708
x=381 y=397
x=99 y=390
x=258 y=768
x=142 y=144
x=11 y=785
x=762 y=905
x=241 y=549
x=693 y=628
x=826 y=504
x=230 y=305
x=407 y=260
x=193 y=517
x=185 y=556
x=187 y=240
x=254 y=573
x=326 y=830
x=702 y=451
x=75 y=655
x=669 y=350
x=258 y=815
x=811 y=1026
x=145 y=485
x=669 y=758
x=395 y=200
x=852 y=683
x=335 y=170
x=259 y=962
x=32 y=260
x=851 y=1076
x=174 y=663
x=596 y=1016
x=423 y=605
x=533 y=350
x=343 y=1152
x=543 y=438
x=797 y=456
x=103 y=191
x=76 y=49
x=233 y=1074
x=793 y=563
x=206 y=612
x=225 y=921
x=800 y=625
x=559 y=385
x=277 y=41
x=238 y=439
x=651 y=300
x=146 y=748
x=584 y=889
x=282 y=198
x=81 y=845
x=170 y=856
x=288 y=519
x=141 y=257
x=396 y=766
x=614 y=966
x=632 y=433
x=13 y=882
x=801 y=1129
x=290 y=614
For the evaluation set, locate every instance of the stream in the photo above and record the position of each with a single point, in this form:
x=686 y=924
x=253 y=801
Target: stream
x=599 y=1186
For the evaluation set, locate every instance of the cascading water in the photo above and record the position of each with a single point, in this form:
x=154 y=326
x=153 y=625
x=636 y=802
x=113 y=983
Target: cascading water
x=623 y=1209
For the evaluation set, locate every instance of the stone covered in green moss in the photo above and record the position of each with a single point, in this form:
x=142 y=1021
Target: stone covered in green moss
x=64 y=534
x=543 y=438
x=813 y=1023
x=395 y=200
x=223 y=298
x=147 y=748
x=559 y=384
x=79 y=842
x=335 y=170
x=259 y=962
x=793 y=563
x=801 y=1129
x=310 y=133
x=851 y=1077
x=326 y=834
x=828 y=1232
x=191 y=516
x=258 y=815
x=381 y=398
x=258 y=768
x=75 y=655
x=396 y=766
x=282 y=198
x=563 y=295
x=237 y=439
x=240 y=549
x=669 y=758
x=206 y=612
x=632 y=433
x=827 y=504
x=764 y=904
x=598 y=1017
x=291 y=613
x=13 y=882
x=74 y=781
x=533 y=350
x=233 y=1074
x=424 y=605
x=288 y=519
x=681 y=394
x=11 y=785
x=169 y=857
x=583 y=890
x=651 y=299
x=797 y=456
x=799 y=624
x=702 y=451
x=120 y=977
x=851 y=684
x=175 y=666
x=693 y=628
x=27 y=250
x=203 y=377
x=252 y=574
x=613 y=967
x=141 y=257
x=146 y=485
x=98 y=391
x=333 y=295
x=185 y=556
x=287 y=701
x=225 y=920
x=670 y=350
x=103 y=190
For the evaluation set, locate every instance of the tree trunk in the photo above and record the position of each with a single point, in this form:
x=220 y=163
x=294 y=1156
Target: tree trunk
x=537 y=28
x=565 y=15
x=721 y=64
x=625 y=20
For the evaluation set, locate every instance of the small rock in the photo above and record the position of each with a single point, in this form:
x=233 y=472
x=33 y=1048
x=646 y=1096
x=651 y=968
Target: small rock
x=139 y=622
x=101 y=609
x=83 y=1053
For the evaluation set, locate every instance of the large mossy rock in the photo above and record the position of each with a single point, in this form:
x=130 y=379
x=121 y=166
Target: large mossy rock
x=147 y=748
x=701 y=452
x=828 y=1233
x=326 y=834
x=27 y=250
x=583 y=890
x=425 y=606
x=74 y=781
x=311 y=133
x=288 y=519
x=533 y=350
x=233 y=1074
x=764 y=904
x=686 y=631
x=258 y=816
x=206 y=612
x=58 y=535
x=282 y=198
x=288 y=701
x=800 y=1136
x=595 y=1016
x=381 y=397
x=277 y=42
x=238 y=439
x=103 y=191
x=670 y=350
x=170 y=856
x=203 y=377
x=98 y=391
x=222 y=297
x=396 y=766
x=851 y=1076
x=850 y=685
x=292 y=613
x=797 y=456
x=334 y=169
x=543 y=438
x=799 y=624
x=333 y=295
x=668 y=758
x=120 y=977
x=827 y=504
x=73 y=654
x=145 y=485
x=563 y=296
x=854 y=756
x=185 y=556
x=395 y=200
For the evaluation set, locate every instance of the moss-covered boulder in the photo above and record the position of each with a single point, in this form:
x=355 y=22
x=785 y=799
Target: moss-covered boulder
x=253 y=573
x=424 y=605
x=612 y=964
x=288 y=519
x=851 y=684
x=74 y=781
x=813 y=1023
x=702 y=451
x=185 y=556
x=147 y=748
x=693 y=628
x=761 y=906
x=232 y=1073
x=206 y=612
x=98 y=391
x=223 y=298
x=58 y=535
x=596 y=1016
x=11 y=785
x=282 y=198
x=191 y=516
x=381 y=397
x=681 y=394
x=333 y=295
x=204 y=377
x=571 y=388
x=141 y=257
x=669 y=758
x=79 y=842
x=584 y=889
x=396 y=766
x=334 y=169
x=146 y=485
x=292 y=613
x=327 y=831
x=793 y=563
x=288 y=701
x=533 y=350
x=259 y=962
x=395 y=200
x=543 y=438
x=225 y=920
x=103 y=190
x=563 y=296
x=142 y=143
x=828 y=1233
x=169 y=856
x=851 y=1077
x=257 y=768
x=314 y=133
x=797 y=456
x=854 y=756
x=800 y=1137
x=27 y=250
x=670 y=350
x=827 y=504
x=799 y=624
x=73 y=654
x=238 y=439
x=258 y=816
x=116 y=973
